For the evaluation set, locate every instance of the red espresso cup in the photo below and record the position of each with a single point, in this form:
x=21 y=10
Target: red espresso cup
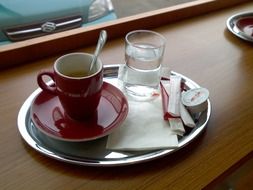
x=78 y=89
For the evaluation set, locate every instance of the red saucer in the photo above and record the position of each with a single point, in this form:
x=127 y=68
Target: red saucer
x=49 y=117
x=245 y=24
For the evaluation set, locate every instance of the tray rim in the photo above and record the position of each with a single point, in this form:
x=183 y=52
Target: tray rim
x=23 y=115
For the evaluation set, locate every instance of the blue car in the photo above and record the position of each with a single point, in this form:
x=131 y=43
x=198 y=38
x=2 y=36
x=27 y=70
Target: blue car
x=25 y=19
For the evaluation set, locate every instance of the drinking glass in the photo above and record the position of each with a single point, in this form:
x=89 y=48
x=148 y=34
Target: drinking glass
x=144 y=51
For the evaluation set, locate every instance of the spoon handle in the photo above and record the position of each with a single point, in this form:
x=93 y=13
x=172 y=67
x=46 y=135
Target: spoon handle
x=101 y=42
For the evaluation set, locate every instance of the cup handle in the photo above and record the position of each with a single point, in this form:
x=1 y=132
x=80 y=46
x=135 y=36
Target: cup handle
x=43 y=85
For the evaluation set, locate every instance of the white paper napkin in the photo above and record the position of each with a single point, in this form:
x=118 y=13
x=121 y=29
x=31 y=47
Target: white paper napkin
x=143 y=129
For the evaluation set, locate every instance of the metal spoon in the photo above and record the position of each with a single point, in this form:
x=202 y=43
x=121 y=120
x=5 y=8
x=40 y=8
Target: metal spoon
x=101 y=42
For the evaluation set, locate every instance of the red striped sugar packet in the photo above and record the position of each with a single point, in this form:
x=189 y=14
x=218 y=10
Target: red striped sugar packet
x=184 y=114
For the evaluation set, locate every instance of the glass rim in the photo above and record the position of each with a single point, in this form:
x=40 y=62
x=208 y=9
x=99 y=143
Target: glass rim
x=162 y=38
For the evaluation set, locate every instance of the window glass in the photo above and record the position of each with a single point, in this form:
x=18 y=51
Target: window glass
x=25 y=19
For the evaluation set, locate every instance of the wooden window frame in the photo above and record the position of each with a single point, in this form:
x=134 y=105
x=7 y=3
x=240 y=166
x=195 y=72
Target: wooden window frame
x=33 y=49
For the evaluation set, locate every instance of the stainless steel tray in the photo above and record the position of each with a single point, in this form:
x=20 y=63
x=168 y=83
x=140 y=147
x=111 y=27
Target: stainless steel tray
x=235 y=29
x=94 y=153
